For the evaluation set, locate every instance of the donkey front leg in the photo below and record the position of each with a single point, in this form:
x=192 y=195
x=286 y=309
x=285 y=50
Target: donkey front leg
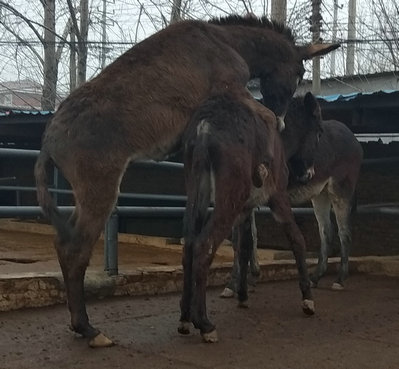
x=281 y=209
x=342 y=211
x=322 y=209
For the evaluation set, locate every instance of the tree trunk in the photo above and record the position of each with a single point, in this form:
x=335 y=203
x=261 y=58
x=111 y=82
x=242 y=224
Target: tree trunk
x=50 y=63
x=279 y=11
x=176 y=11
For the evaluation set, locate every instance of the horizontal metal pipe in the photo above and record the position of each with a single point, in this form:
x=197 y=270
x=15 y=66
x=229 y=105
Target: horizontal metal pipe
x=4 y=152
x=21 y=153
x=133 y=196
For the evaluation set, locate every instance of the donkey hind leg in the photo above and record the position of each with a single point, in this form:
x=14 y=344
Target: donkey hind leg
x=231 y=286
x=254 y=261
x=205 y=246
x=322 y=209
x=185 y=302
x=281 y=210
x=74 y=252
x=342 y=210
x=245 y=250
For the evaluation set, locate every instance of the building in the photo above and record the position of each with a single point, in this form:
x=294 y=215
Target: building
x=24 y=95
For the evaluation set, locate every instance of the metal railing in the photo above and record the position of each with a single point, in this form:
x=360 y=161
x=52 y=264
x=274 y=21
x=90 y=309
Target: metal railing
x=111 y=228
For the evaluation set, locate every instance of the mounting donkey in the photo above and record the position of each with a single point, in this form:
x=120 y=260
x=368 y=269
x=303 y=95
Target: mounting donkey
x=234 y=158
x=337 y=162
x=138 y=108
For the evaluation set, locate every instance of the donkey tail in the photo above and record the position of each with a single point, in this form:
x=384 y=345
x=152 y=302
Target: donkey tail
x=200 y=193
x=43 y=167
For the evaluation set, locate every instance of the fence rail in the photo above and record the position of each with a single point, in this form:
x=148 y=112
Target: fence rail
x=111 y=228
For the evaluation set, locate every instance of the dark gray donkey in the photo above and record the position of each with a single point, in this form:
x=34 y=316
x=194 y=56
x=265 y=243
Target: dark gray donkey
x=331 y=182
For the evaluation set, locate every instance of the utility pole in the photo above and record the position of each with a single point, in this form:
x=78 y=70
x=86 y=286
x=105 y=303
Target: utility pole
x=103 y=34
x=315 y=29
x=350 y=57
x=279 y=11
x=334 y=36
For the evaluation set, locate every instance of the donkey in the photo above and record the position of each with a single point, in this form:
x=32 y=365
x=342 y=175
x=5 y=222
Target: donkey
x=138 y=108
x=331 y=181
x=234 y=158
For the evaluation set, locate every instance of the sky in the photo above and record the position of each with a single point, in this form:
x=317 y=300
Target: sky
x=130 y=21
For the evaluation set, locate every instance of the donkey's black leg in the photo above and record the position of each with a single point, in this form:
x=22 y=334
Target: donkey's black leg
x=205 y=246
x=185 y=302
x=245 y=250
x=231 y=286
x=94 y=202
x=281 y=209
x=322 y=210
x=342 y=211
x=74 y=255
x=254 y=262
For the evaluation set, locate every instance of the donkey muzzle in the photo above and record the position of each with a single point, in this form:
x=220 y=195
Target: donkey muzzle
x=280 y=123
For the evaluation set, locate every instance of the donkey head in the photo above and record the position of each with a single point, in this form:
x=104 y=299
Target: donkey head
x=301 y=137
x=279 y=81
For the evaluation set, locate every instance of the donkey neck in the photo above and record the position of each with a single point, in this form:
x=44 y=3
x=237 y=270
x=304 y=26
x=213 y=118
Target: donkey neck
x=261 y=48
x=291 y=137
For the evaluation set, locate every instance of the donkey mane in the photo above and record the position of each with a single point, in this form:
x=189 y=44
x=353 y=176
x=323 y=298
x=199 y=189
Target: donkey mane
x=252 y=21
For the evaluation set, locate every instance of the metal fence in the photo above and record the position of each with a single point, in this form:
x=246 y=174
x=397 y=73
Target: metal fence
x=111 y=228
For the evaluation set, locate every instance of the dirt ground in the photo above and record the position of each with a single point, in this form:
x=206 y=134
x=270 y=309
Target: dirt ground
x=353 y=329
x=22 y=252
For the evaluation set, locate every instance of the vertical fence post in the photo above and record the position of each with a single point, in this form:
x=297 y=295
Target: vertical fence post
x=111 y=244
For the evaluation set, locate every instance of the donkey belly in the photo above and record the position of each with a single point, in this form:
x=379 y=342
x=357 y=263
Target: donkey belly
x=299 y=194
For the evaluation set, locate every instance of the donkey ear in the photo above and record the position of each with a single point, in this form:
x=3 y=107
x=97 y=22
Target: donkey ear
x=311 y=105
x=310 y=51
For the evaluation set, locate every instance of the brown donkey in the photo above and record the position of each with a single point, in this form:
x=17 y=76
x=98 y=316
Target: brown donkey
x=234 y=159
x=138 y=108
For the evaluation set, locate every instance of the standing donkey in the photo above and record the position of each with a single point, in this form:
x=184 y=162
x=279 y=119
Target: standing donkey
x=138 y=108
x=330 y=182
x=233 y=158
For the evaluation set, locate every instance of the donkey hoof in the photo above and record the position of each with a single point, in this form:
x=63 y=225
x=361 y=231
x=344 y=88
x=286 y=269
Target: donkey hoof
x=100 y=341
x=243 y=304
x=210 y=337
x=337 y=286
x=308 y=307
x=184 y=328
x=227 y=293
x=313 y=284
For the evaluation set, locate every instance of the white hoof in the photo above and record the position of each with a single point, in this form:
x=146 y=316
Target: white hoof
x=100 y=341
x=184 y=328
x=210 y=337
x=227 y=293
x=308 y=307
x=337 y=286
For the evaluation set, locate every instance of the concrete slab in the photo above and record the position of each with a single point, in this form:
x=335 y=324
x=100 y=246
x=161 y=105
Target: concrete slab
x=30 y=274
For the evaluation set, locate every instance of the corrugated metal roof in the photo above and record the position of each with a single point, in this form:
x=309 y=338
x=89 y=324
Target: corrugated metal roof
x=25 y=112
x=354 y=95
